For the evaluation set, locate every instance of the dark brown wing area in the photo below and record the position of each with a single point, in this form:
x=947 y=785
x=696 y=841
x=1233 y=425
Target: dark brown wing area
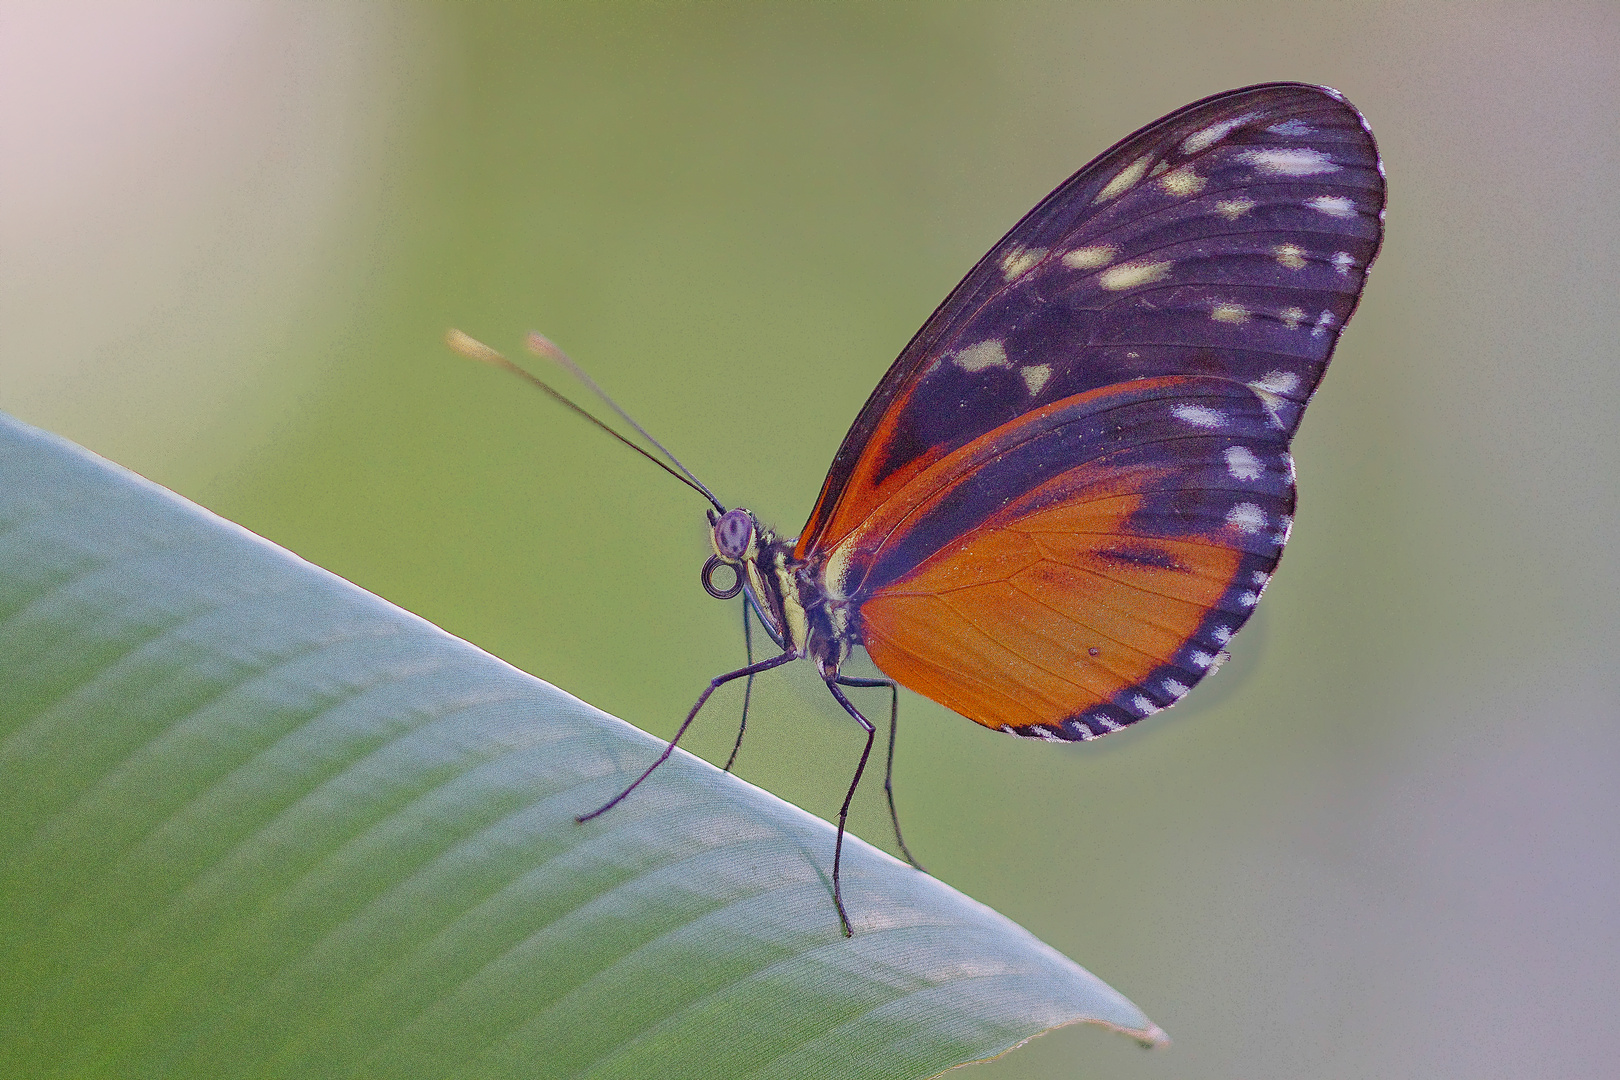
x=1102 y=587
x=1229 y=239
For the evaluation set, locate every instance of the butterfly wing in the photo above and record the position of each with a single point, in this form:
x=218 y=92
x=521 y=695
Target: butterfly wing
x=1230 y=238
x=1083 y=566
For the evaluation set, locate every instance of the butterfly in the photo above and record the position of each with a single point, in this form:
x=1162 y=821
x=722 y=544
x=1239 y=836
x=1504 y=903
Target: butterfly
x=1070 y=490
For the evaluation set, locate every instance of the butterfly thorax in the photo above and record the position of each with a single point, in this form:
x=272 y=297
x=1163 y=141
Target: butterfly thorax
x=786 y=591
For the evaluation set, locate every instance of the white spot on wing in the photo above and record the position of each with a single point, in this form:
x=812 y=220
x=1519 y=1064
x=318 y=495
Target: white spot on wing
x=1343 y=262
x=1294 y=127
x=1089 y=258
x=1035 y=376
x=984 y=355
x=1246 y=518
x=1278 y=382
x=1124 y=180
x=1236 y=314
x=1199 y=416
x=1242 y=464
x=1249 y=599
x=1290 y=256
x=1338 y=206
x=1232 y=209
x=1182 y=182
x=1175 y=689
x=1042 y=732
x=1324 y=323
x=1019 y=260
x=1130 y=275
x=1260 y=578
x=1290 y=162
x=1222 y=634
x=1292 y=316
x=1200 y=141
x=1106 y=723
x=1200 y=659
x=1143 y=706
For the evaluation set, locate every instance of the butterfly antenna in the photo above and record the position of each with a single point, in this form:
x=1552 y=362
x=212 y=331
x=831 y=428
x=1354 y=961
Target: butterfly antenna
x=541 y=345
x=474 y=349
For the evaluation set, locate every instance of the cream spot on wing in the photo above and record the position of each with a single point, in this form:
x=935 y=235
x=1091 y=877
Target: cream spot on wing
x=836 y=572
x=1277 y=382
x=1035 y=376
x=1089 y=258
x=1324 y=323
x=1272 y=403
x=1246 y=518
x=1182 y=182
x=1199 y=416
x=1232 y=209
x=984 y=355
x=1130 y=275
x=1344 y=262
x=1338 y=206
x=1290 y=256
x=1290 y=162
x=1200 y=141
x=1124 y=180
x=1292 y=316
x=1242 y=464
x=1236 y=314
x=1019 y=260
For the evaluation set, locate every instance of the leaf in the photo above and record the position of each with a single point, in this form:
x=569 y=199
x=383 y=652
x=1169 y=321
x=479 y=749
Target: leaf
x=255 y=821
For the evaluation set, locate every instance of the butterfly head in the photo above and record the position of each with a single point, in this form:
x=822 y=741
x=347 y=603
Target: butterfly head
x=734 y=536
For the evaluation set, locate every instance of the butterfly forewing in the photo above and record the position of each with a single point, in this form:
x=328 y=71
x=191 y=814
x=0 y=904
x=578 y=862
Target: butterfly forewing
x=1068 y=492
x=1229 y=239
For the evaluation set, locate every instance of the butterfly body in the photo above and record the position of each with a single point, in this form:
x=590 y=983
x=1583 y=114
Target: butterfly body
x=1067 y=494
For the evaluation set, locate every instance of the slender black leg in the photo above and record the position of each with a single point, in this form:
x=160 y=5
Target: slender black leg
x=748 y=687
x=714 y=683
x=843 y=812
x=888 y=771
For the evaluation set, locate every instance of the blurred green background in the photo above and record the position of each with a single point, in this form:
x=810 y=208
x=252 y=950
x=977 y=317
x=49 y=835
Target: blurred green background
x=1385 y=840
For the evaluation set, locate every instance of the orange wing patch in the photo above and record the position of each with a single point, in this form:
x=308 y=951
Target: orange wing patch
x=1046 y=617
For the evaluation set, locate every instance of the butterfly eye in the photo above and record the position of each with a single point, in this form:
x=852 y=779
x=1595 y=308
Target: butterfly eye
x=732 y=534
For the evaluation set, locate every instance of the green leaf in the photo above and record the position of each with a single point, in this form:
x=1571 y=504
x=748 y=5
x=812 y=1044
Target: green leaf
x=255 y=821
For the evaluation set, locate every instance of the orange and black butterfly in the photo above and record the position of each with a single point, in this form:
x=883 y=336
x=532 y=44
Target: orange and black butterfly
x=1070 y=490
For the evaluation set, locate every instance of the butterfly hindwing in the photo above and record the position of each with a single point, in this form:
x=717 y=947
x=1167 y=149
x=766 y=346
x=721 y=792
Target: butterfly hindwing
x=1229 y=239
x=1084 y=566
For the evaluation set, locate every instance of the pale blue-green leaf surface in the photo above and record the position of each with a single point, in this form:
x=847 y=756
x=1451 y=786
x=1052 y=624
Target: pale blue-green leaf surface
x=255 y=821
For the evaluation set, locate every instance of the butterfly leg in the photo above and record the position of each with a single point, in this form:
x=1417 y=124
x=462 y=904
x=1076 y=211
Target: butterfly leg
x=888 y=771
x=748 y=687
x=843 y=811
x=714 y=684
